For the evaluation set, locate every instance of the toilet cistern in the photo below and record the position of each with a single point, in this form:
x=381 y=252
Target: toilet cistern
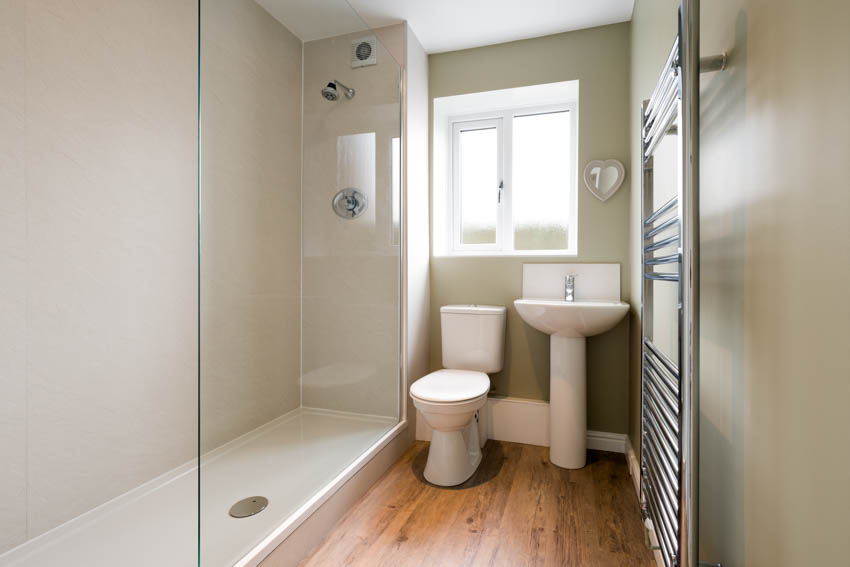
x=473 y=341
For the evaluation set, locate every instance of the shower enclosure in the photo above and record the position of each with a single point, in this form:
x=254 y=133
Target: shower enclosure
x=200 y=273
x=299 y=258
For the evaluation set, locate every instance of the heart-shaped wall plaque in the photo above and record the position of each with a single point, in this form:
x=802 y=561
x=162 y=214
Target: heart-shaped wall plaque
x=603 y=178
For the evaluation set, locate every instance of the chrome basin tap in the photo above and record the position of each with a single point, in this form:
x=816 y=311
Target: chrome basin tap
x=569 y=288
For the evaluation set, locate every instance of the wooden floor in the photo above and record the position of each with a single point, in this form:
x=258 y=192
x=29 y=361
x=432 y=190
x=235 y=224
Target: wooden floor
x=518 y=509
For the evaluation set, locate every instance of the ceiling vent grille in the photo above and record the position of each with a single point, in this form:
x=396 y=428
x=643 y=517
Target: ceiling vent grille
x=364 y=52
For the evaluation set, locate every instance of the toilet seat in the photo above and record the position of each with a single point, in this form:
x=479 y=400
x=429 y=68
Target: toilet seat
x=449 y=401
x=449 y=386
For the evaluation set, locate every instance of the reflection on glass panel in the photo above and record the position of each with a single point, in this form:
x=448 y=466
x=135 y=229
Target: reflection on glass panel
x=478 y=185
x=541 y=181
x=396 y=204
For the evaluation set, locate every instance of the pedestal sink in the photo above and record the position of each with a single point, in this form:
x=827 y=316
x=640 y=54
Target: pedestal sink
x=568 y=323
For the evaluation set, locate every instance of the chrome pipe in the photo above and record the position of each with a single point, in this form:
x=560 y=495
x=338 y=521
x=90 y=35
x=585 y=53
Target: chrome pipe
x=671 y=382
x=660 y=228
x=661 y=244
x=656 y=132
x=667 y=539
x=662 y=277
x=659 y=518
x=659 y=108
x=645 y=291
x=663 y=412
x=661 y=435
x=672 y=259
x=663 y=485
x=667 y=512
x=668 y=456
x=668 y=64
x=713 y=63
x=665 y=360
x=661 y=210
x=689 y=313
x=668 y=397
x=665 y=442
x=670 y=435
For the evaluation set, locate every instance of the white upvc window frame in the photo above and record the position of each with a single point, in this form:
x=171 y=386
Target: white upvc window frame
x=469 y=125
x=503 y=119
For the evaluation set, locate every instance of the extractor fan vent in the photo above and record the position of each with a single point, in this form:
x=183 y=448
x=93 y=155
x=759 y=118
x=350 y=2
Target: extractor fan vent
x=364 y=51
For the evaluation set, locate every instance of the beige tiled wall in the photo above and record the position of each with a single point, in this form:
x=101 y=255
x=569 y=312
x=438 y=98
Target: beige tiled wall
x=98 y=243
x=418 y=241
x=98 y=253
x=250 y=228
x=351 y=267
x=13 y=267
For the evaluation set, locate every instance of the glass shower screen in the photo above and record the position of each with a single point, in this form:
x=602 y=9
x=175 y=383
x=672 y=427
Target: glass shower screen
x=299 y=260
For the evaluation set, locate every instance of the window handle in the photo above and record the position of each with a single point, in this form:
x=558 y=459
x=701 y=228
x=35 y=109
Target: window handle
x=501 y=188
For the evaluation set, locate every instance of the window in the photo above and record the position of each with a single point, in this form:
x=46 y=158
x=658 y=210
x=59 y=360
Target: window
x=504 y=172
x=513 y=181
x=477 y=175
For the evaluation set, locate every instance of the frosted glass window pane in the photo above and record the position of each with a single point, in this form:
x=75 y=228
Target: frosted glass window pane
x=479 y=185
x=541 y=181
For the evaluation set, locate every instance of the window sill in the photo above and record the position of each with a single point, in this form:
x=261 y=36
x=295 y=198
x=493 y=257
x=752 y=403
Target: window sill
x=514 y=254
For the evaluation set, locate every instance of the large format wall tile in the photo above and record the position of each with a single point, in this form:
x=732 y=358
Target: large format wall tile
x=13 y=286
x=351 y=266
x=110 y=142
x=251 y=229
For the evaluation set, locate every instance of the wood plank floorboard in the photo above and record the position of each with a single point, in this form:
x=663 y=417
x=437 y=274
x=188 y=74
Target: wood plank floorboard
x=517 y=510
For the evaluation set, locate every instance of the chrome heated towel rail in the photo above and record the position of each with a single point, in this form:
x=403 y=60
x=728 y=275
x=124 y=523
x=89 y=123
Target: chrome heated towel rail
x=669 y=405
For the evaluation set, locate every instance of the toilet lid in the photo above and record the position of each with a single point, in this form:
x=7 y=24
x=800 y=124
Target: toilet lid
x=451 y=386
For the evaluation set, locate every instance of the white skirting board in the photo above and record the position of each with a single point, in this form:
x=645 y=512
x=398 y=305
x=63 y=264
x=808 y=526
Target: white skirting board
x=527 y=421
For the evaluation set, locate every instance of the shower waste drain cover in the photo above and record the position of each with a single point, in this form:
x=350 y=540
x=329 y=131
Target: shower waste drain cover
x=249 y=506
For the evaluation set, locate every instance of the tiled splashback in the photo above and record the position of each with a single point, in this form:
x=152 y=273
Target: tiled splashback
x=594 y=282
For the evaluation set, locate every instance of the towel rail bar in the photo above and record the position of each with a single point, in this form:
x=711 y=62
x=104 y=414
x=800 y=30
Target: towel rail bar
x=661 y=210
x=662 y=277
x=663 y=483
x=661 y=228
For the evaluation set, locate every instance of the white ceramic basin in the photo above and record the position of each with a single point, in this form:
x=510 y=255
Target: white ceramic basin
x=571 y=319
x=568 y=323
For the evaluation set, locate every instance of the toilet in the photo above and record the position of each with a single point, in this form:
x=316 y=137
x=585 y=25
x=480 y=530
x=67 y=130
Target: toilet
x=473 y=340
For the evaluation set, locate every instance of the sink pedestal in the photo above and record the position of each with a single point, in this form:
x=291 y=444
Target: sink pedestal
x=568 y=323
x=567 y=402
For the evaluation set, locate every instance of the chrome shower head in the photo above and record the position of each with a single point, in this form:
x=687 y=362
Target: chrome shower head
x=330 y=92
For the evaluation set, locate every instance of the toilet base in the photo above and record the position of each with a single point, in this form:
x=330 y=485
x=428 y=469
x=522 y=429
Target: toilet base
x=453 y=456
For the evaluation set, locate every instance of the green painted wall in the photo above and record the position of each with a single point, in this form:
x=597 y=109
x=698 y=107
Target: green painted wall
x=599 y=59
x=653 y=29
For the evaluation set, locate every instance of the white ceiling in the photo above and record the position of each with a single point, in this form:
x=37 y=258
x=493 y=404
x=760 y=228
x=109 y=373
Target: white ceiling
x=447 y=25
x=315 y=19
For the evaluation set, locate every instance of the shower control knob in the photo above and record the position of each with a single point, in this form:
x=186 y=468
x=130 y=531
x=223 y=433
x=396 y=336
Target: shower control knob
x=350 y=203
